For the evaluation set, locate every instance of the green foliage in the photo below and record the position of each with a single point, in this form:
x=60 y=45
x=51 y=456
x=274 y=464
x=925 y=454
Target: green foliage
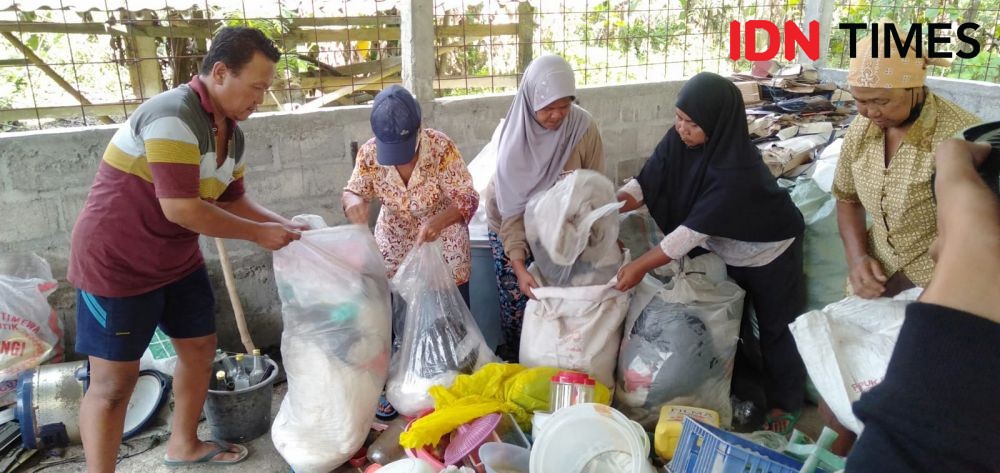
x=983 y=67
x=290 y=64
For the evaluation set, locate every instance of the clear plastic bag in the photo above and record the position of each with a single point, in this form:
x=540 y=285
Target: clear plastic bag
x=440 y=338
x=680 y=344
x=334 y=345
x=573 y=230
x=29 y=328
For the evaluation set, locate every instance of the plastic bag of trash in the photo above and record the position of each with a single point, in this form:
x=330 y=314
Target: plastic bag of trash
x=824 y=263
x=29 y=328
x=679 y=346
x=334 y=345
x=572 y=229
x=574 y=328
x=846 y=347
x=440 y=338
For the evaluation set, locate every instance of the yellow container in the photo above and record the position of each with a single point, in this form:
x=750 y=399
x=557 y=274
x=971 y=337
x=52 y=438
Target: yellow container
x=668 y=428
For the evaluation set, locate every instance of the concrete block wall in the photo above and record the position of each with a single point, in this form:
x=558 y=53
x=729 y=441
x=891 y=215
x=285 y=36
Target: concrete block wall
x=297 y=163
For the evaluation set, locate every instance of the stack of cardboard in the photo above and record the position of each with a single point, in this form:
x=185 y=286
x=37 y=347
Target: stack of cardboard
x=791 y=114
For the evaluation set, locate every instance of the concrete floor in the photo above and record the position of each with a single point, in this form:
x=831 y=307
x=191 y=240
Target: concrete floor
x=263 y=456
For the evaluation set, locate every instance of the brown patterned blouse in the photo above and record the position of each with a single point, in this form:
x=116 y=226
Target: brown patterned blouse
x=440 y=179
x=897 y=197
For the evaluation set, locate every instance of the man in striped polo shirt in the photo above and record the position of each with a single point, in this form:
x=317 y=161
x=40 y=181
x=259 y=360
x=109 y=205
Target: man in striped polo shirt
x=173 y=172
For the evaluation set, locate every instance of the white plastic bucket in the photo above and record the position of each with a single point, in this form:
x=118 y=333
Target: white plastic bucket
x=590 y=438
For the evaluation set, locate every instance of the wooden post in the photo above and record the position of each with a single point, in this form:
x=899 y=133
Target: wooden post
x=185 y=53
x=821 y=11
x=144 y=65
x=525 y=35
x=37 y=61
x=417 y=40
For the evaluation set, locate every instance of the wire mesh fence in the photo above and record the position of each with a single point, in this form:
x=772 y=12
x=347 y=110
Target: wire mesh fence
x=628 y=40
x=985 y=66
x=92 y=61
x=76 y=62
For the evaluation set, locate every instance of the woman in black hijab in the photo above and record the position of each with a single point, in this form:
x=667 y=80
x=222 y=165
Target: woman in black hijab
x=708 y=189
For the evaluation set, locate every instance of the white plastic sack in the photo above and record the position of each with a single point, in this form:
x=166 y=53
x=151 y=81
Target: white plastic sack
x=575 y=328
x=29 y=328
x=482 y=168
x=680 y=344
x=572 y=229
x=824 y=263
x=846 y=348
x=334 y=345
x=826 y=165
x=440 y=338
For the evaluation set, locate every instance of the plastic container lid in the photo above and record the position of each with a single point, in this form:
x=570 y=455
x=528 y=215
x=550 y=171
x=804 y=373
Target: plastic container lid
x=590 y=438
x=469 y=437
x=573 y=377
x=151 y=391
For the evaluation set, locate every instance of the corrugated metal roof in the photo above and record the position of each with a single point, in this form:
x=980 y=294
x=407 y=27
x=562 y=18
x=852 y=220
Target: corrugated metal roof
x=252 y=7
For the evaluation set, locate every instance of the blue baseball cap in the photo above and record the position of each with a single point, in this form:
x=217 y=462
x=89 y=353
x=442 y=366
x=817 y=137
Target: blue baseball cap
x=395 y=122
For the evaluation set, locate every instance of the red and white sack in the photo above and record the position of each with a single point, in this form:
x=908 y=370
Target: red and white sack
x=29 y=328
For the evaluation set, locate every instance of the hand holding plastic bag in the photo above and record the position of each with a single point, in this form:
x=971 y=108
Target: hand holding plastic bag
x=680 y=342
x=440 y=337
x=335 y=344
x=846 y=348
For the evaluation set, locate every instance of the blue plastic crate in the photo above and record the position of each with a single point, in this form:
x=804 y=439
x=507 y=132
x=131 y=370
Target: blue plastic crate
x=706 y=449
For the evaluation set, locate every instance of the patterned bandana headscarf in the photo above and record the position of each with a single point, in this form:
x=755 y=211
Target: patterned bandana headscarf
x=892 y=72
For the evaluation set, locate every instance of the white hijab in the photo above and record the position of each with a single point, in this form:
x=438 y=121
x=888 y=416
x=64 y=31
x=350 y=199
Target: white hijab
x=531 y=157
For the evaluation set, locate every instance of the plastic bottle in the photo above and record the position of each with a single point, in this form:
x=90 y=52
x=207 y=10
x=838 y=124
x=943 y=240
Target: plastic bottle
x=241 y=380
x=386 y=449
x=569 y=388
x=221 y=382
x=226 y=362
x=257 y=373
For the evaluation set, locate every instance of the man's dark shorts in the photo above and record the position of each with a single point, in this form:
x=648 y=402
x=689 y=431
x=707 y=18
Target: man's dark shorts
x=120 y=328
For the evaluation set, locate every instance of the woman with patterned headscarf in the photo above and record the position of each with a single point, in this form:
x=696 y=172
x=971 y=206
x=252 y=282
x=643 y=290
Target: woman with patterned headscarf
x=885 y=172
x=544 y=135
x=885 y=169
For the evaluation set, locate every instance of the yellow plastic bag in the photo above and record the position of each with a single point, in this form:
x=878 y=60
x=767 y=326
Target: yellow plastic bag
x=496 y=387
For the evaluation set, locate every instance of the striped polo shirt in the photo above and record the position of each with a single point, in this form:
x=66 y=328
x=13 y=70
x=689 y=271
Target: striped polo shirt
x=122 y=243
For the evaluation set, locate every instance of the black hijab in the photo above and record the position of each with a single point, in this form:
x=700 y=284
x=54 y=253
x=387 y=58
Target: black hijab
x=721 y=188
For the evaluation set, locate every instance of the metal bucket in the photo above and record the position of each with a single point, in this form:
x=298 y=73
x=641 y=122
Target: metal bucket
x=48 y=403
x=242 y=415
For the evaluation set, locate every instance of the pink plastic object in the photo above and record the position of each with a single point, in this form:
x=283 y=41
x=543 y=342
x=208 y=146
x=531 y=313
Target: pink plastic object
x=468 y=437
x=423 y=453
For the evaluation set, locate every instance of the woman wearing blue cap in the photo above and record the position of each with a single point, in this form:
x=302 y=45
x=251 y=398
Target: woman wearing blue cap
x=543 y=136
x=424 y=186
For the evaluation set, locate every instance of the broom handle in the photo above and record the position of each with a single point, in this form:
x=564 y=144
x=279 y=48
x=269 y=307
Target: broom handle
x=234 y=298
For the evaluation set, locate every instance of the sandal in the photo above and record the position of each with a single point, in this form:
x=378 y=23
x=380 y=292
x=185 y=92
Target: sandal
x=791 y=417
x=385 y=411
x=209 y=458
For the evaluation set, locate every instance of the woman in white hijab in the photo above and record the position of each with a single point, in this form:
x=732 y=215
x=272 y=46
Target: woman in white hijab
x=544 y=135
